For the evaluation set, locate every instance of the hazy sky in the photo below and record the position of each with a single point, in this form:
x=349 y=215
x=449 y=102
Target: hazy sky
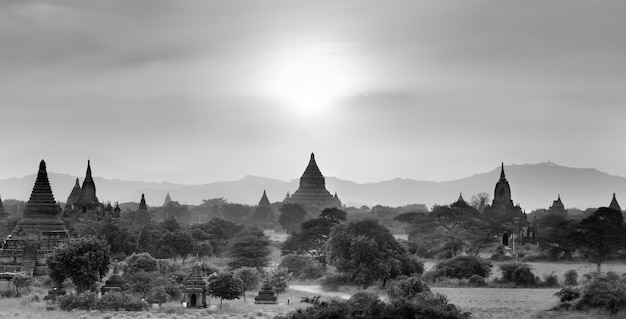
x=200 y=91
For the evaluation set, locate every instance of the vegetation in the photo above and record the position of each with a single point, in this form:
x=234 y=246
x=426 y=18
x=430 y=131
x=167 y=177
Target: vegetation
x=250 y=278
x=463 y=267
x=302 y=267
x=84 y=260
x=518 y=273
x=291 y=216
x=366 y=251
x=225 y=286
x=251 y=248
x=601 y=235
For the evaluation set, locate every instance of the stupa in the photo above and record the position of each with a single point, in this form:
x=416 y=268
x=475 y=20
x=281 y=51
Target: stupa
x=312 y=192
x=142 y=204
x=115 y=283
x=557 y=207
x=263 y=216
x=88 y=201
x=37 y=233
x=266 y=295
x=194 y=288
x=74 y=195
x=614 y=204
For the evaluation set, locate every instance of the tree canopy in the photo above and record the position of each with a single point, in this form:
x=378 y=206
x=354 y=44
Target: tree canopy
x=225 y=286
x=84 y=260
x=291 y=216
x=251 y=248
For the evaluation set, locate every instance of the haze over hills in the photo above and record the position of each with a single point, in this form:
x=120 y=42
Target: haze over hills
x=533 y=186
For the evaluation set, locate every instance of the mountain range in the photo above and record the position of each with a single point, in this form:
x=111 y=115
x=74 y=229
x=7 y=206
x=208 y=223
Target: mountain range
x=533 y=186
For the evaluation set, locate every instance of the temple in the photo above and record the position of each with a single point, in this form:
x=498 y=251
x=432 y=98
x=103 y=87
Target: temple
x=4 y=215
x=37 y=233
x=614 y=204
x=263 y=216
x=312 y=193
x=83 y=201
x=503 y=209
x=557 y=207
x=74 y=195
x=142 y=204
x=168 y=199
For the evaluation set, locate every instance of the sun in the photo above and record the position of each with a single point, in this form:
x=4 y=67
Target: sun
x=309 y=81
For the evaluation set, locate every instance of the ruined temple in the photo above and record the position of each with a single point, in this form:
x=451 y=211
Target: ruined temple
x=37 y=233
x=263 y=216
x=312 y=193
x=512 y=216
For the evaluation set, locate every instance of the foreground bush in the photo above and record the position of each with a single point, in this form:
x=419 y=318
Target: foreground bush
x=571 y=278
x=407 y=288
x=368 y=306
x=463 y=267
x=109 y=301
x=518 y=273
x=606 y=291
x=477 y=281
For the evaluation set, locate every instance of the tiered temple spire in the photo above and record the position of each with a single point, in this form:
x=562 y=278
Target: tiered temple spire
x=74 y=194
x=88 y=196
x=142 y=204
x=312 y=191
x=614 y=204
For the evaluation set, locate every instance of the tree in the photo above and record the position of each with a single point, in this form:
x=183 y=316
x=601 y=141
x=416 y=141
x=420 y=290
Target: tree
x=251 y=248
x=366 y=251
x=178 y=243
x=170 y=224
x=85 y=260
x=480 y=200
x=556 y=236
x=236 y=212
x=279 y=280
x=335 y=215
x=291 y=216
x=249 y=277
x=119 y=239
x=20 y=281
x=601 y=235
x=140 y=262
x=225 y=286
x=311 y=240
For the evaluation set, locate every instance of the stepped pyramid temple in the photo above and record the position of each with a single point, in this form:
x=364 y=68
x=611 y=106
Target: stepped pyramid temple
x=502 y=208
x=37 y=233
x=312 y=193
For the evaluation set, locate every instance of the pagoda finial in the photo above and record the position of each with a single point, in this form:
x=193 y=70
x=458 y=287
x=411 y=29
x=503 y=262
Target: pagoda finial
x=312 y=156
x=502 y=177
x=460 y=197
x=88 y=169
x=42 y=166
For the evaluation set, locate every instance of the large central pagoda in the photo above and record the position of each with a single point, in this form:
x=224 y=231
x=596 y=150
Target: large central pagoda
x=312 y=192
x=37 y=233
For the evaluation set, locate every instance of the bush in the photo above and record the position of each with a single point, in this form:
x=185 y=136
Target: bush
x=477 y=281
x=279 y=280
x=604 y=291
x=429 y=276
x=518 y=273
x=140 y=262
x=571 y=278
x=84 y=301
x=463 y=267
x=568 y=294
x=551 y=280
x=302 y=267
x=333 y=282
x=407 y=288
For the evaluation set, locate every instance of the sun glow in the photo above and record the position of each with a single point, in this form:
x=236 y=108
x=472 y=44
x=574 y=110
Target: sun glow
x=310 y=81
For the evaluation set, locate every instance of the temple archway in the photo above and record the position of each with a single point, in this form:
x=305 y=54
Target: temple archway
x=505 y=239
x=193 y=301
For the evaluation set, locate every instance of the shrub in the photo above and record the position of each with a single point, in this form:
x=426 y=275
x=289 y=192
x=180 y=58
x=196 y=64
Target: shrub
x=518 y=273
x=571 y=278
x=84 y=301
x=568 y=294
x=551 y=280
x=333 y=282
x=279 y=279
x=429 y=276
x=365 y=304
x=407 y=288
x=604 y=291
x=477 y=281
x=463 y=267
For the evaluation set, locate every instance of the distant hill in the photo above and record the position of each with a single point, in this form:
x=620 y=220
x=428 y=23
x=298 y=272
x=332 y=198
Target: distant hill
x=533 y=186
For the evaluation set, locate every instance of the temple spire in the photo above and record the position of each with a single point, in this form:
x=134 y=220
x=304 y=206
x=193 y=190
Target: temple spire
x=460 y=197
x=88 y=174
x=264 y=200
x=614 y=204
x=142 y=204
x=502 y=176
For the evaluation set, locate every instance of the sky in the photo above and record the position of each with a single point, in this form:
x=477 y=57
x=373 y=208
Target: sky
x=197 y=91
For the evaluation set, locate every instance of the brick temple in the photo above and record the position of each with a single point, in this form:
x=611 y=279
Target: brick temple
x=312 y=192
x=37 y=233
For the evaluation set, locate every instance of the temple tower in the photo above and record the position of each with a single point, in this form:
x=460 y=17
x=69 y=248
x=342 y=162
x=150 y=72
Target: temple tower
x=74 y=195
x=557 y=207
x=142 y=204
x=263 y=216
x=37 y=233
x=88 y=199
x=312 y=192
x=614 y=204
x=168 y=199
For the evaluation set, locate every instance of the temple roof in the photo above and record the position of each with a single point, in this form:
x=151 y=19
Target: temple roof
x=312 y=169
x=74 y=194
x=88 y=191
x=142 y=204
x=502 y=176
x=264 y=201
x=614 y=204
x=168 y=199
x=41 y=211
